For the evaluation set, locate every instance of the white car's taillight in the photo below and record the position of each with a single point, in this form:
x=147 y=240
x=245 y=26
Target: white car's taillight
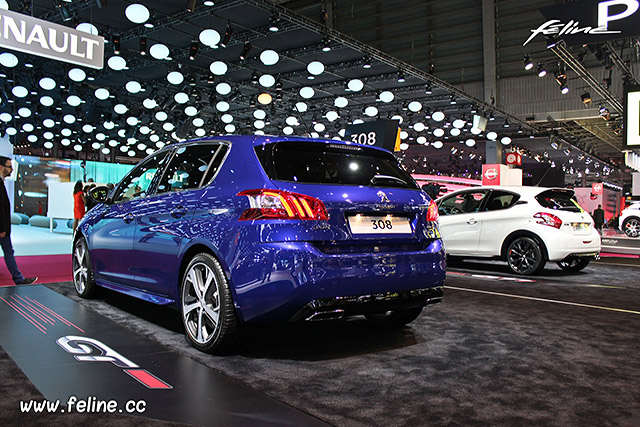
x=551 y=220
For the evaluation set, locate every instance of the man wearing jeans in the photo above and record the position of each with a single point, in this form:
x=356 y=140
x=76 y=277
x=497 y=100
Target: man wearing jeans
x=5 y=227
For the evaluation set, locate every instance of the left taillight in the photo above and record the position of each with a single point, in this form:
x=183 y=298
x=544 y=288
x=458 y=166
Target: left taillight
x=432 y=211
x=277 y=204
x=551 y=220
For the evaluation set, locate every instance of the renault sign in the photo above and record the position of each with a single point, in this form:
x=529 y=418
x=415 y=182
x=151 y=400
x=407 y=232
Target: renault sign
x=42 y=38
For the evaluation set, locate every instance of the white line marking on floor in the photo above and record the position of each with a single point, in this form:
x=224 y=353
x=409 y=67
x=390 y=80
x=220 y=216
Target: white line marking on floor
x=543 y=300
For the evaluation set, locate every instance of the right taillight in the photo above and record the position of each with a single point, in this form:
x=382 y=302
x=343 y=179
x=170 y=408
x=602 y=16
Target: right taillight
x=545 y=218
x=276 y=204
x=432 y=211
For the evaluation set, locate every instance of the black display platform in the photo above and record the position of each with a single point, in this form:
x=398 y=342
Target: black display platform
x=68 y=350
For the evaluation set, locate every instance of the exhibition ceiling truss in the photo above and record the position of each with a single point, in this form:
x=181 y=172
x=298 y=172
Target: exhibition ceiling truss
x=176 y=71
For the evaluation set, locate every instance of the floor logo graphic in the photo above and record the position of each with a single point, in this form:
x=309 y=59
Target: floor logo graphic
x=91 y=350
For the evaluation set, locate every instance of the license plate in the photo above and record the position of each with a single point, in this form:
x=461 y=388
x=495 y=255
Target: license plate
x=580 y=226
x=389 y=224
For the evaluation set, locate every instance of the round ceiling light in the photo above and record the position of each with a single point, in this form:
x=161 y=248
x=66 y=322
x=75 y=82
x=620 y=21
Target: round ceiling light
x=404 y=146
x=175 y=77
x=398 y=118
x=88 y=28
x=301 y=107
x=226 y=118
x=475 y=131
x=230 y=128
x=492 y=136
x=66 y=132
x=267 y=80
x=191 y=111
x=132 y=121
x=269 y=57
x=198 y=122
x=8 y=60
x=117 y=63
x=371 y=111
x=11 y=131
x=200 y=132
x=223 y=88
x=415 y=106
x=77 y=147
x=6 y=117
x=386 y=96
x=105 y=150
x=438 y=116
x=145 y=130
x=159 y=51
x=258 y=124
x=95 y=145
x=222 y=106
x=438 y=132
x=100 y=136
x=419 y=127
x=120 y=108
x=87 y=128
x=403 y=134
x=101 y=93
x=149 y=104
x=133 y=86
x=319 y=127
x=74 y=100
x=332 y=115
x=259 y=114
x=287 y=130
x=505 y=140
x=455 y=132
x=458 y=123
x=218 y=68
x=28 y=127
x=421 y=140
x=65 y=142
x=47 y=101
x=77 y=74
x=181 y=98
x=47 y=83
x=209 y=37
x=341 y=102
x=108 y=125
x=355 y=85
x=438 y=144
x=137 y=13
x=307 y=92
x=24 y=112
x=161 y=116
x=48 y=123
x=20 y=91
x=292 y=121
x=265 y=98
x=470 y=142
x=69 y=118
x=168 y=126
x=315 y=67
x=49 y=144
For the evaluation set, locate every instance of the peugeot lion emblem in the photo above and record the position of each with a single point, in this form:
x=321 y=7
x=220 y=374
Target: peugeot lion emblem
x=383 y=197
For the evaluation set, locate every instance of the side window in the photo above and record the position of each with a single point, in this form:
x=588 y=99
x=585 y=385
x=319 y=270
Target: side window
x=467 y=202
x=137 y=183
x=190 y=167
x=501 y=200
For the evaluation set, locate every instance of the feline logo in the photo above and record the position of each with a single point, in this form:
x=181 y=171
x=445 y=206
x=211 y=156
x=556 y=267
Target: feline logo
x=90 y=350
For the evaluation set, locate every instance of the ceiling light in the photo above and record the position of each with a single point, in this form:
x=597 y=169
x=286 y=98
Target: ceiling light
x=181 y=98
x=47 y=101
x=28 y=127
x=6 y=117
x=223 y=88
x=143 y=45
x=9 y=60
x=133 y=86
x=191 y=111
x=273 y=23
x=528 y=63
x=116 y=44
x=287 y=130
x=161 y=116
x=120 y=108
x=101 y=93
x=149 y=103
x=586 y=98
x=505 y=140
x=269 y=57
x=24 y=112
x=541 y=70
x=307 y=92
x=227 y=36
x=230 y=128
x=132 y=121
x=266 y=80
x=438 y=116
x=415 y=106
x=341 y=102
x=355 y=85
x=454 y=132
x=47 y=83
x=137 y=13
x=564 y=89
x=175 y=77
x=19 y=91
x=193 y=50
x=371 y=111
x=470 y=142
x=68 y=118
x=218 y=68
x=222 y=106
x=315 y=67
x=419 y=127
x=301 y=107
x=492 y=136
x=117 y=63
x=48 y=123
x=401 y=78
x=77 y=74
x=88 y=28
x=386 y=96
x=159 y=51
x=438 y=132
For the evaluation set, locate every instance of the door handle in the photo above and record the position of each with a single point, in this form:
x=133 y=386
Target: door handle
x=472 y=221
x=178 y=212
x=128 y=218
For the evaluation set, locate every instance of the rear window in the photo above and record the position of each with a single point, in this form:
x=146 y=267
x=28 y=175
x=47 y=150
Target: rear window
x=318 y=163
x=558 y=200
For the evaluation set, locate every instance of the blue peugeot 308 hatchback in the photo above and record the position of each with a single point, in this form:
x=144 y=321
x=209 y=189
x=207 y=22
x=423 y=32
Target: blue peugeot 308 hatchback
x=239 y=229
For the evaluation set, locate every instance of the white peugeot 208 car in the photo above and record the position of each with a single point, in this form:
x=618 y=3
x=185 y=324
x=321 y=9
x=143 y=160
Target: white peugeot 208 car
x=526 y=226
x=630 y=220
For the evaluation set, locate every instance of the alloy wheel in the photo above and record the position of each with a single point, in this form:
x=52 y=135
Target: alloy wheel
x=524 y=256
x=201 y=303
x=632 y=227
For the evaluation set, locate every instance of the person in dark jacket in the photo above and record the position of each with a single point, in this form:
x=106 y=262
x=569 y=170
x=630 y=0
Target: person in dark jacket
x=5 y=227
x=598 y=218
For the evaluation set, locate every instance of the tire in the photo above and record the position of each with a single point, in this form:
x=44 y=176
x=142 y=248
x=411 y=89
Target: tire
x=83 y=279
x=208 y=313
x=631 y=226
x=524 y=256
x=395 y=318
x=575 y=264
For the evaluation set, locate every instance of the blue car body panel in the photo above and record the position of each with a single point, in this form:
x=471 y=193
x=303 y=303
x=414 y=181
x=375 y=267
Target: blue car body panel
x=274 y=267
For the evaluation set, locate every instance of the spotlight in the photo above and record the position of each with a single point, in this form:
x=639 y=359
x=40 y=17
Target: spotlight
x=366 y=62
x=273 y=23
x=116 y=44
x=452 y=99
x=190 y=6
x=64 y=11
x=193 y=50
x=586 y=98
x=245 y=51
x=401 y=78
x=506 y=123
x=551 y=42
x=541 y=70
x=143 y=45
x=428 y=89
x=564 y=89
x=528 y=63
x=561 y=78
x=326 y=44
x=228 y=32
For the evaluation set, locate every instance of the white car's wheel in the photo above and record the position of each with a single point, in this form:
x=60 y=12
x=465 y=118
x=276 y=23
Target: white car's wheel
x=631 y=226
x=208 y=313
x=524 y=256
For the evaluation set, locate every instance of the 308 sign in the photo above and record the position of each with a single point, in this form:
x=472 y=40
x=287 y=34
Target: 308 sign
x=368 y=138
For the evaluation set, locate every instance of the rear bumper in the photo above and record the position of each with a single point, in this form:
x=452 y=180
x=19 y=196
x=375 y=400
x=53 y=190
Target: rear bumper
x=284 y=281
x=561 y=245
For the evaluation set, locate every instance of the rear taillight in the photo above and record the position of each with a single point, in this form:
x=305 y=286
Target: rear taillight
x=548 y=219
x=432 y=211
x=276 y=204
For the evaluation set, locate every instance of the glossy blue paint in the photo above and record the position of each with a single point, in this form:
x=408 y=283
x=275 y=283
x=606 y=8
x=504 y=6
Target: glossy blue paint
x=274 y=267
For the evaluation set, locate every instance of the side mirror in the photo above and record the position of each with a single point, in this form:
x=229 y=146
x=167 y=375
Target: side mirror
x=99 y=194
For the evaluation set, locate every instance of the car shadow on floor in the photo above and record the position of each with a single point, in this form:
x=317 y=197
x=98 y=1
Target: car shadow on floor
x=551 y=270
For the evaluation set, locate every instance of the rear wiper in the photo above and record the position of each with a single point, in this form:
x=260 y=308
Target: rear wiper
x=377 y=178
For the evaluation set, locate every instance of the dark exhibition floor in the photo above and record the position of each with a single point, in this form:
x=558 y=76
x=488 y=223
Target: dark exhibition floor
x=560 y=349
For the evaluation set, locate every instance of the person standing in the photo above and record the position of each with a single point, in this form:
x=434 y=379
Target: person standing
x=78 y=204
x=5 y=227
x=598 y=218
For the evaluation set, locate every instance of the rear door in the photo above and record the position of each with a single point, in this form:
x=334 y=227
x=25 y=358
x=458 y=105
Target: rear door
x=460 y=221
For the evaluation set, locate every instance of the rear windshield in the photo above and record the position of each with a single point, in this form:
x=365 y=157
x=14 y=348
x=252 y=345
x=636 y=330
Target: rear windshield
x=558 y=200
x=318 y=163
